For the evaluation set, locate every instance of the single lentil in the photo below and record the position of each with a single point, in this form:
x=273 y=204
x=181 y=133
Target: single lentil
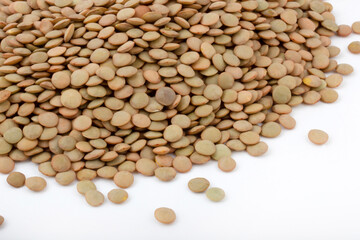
x=215 y=194
x=198 y=185
x=318 y=137
x=165 y=215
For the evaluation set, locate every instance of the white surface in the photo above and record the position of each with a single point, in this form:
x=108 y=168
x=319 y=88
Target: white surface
x=296 y=191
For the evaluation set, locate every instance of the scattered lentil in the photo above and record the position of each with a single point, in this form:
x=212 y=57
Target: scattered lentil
x=16 y=179
x=85 y=186
x=226 y=164
x=356 y=27
x=215 y=194
x=165 y=215
x=198 y=185
x=118 y=196
x=123 y=179
x=354 y=47
x=35 y=184
x=6 y=165
x=94 y=198
x=318 y=137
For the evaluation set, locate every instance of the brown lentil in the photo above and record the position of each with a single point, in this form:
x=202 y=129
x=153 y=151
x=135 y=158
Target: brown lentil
x=165 y=215
x=215 y=194
x=354 y=47
x=94 y=198
x=35 y=184
x=123 y=179
x=198 y=185
x=85 y=186
x=16 y=179
x=226 y=164
x=318 y=137
x=356 y=27
x=117 y=196
x=6 y=165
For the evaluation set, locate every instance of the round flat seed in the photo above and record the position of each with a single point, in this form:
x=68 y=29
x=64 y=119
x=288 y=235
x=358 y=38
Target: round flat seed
x=257 y=149
x=165 y=173
x=211 y=133
x=141 y=120
x=213 y=92
x=312 y=81
x=287 y=121
x=165 y=215
x=123 y=179
x=85 y=186
x=221 y=151
x=344 y=30
x=146 y=166
x=229 y=20
x=32 y=131
x=243 y=52
x=139 y=100
x=209 y=19
x=63 y=3
x=65 y=178
x=102 y=113
x=181 y=120
x=344 y=69
x=189 y=58
x=5 y=147
x=100 y=55
x=79 y=77
x=356 y=27
x=281 y=94
x=277 y=70
x=182 y=164
x=6 y=164
x=215 y=194
x=318 y=137
x=35 y=184
x=48 y=119
x=61 y=79
x=120 y=118
x=334 y=80
x=60 y=163
x=173 y=133
x=328 y=95
x=82 y=123
x=354 y=47
x=165 y=96
x=226 y=164
x=205 y=147
x=67 y=143
x=71 y=98
x=249 y=138
x=1 y=220
x=22 y=7
x=94 y=198
x=198 y=185
x=107 y=171
x=117 y=196
x=105 y=73
x=270 y=130
x=16 y=179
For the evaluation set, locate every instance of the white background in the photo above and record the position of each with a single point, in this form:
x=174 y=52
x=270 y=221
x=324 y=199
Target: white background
x=296 y=191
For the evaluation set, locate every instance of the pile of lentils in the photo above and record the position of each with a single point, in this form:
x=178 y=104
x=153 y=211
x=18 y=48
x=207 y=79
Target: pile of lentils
x=107 y=88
